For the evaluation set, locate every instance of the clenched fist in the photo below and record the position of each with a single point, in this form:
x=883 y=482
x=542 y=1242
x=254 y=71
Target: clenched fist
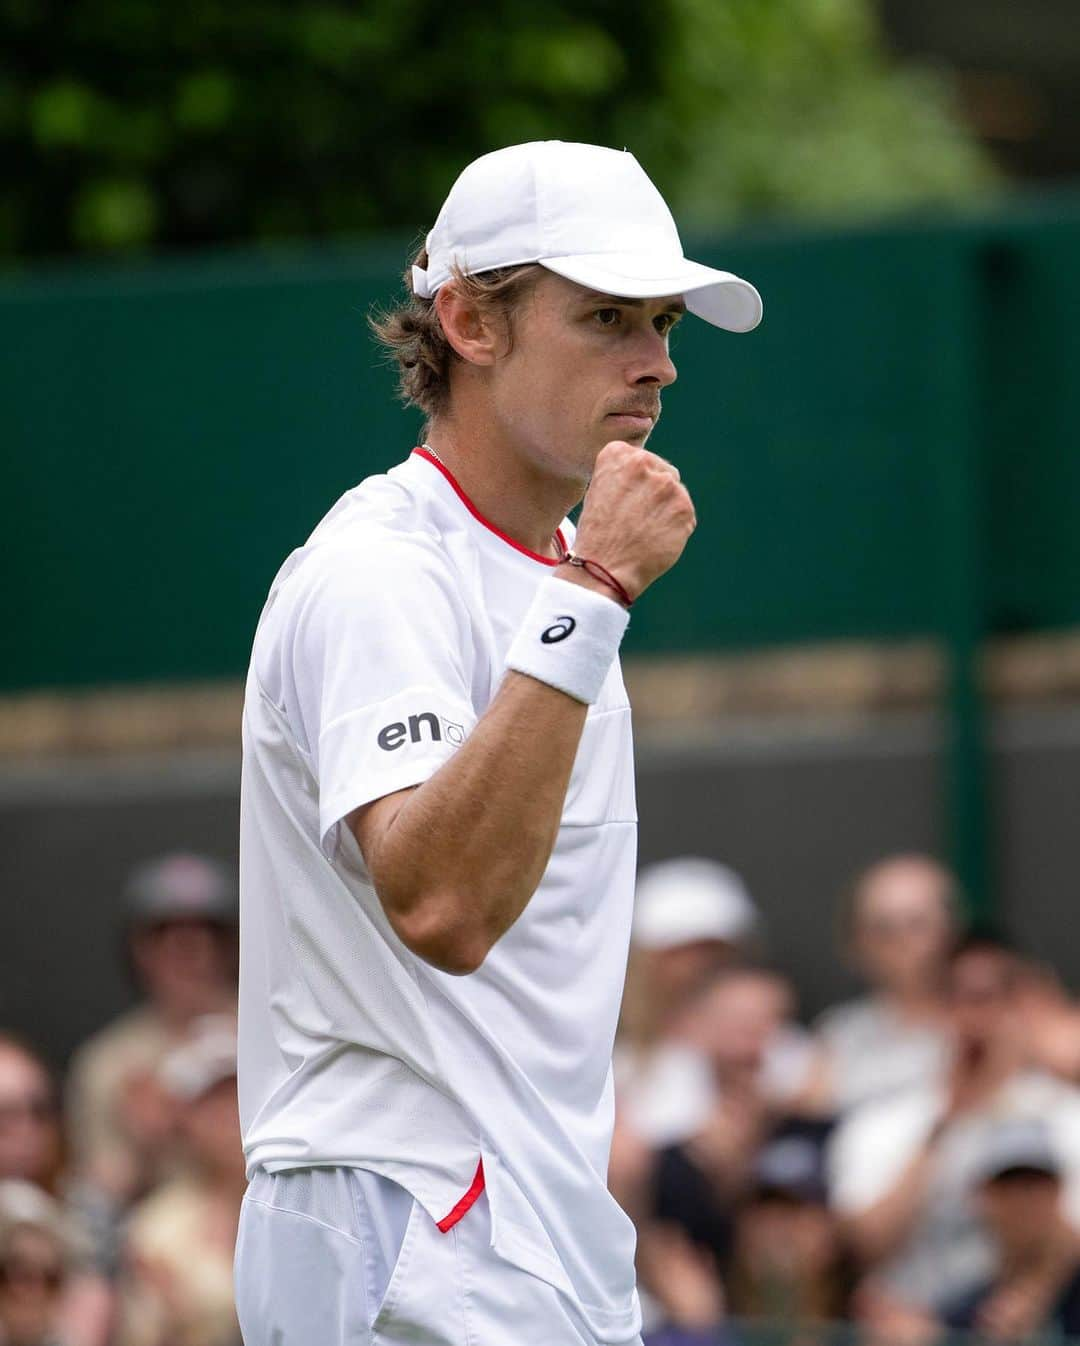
x=637 y=516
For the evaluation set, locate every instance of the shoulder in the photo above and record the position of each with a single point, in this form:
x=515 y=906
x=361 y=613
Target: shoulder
x=894 y=1124
x=385 y=535
x=851 y=1018
x=361 y=567
x=871 y=1146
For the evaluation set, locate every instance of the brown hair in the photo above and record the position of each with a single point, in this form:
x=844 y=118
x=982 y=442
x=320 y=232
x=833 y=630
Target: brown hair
x=414 y=340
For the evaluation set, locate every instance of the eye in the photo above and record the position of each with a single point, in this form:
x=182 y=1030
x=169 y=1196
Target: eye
x=607 y=317
x=664 y=322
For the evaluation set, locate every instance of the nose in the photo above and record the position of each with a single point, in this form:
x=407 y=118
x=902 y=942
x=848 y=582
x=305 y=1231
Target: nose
x=653 y=364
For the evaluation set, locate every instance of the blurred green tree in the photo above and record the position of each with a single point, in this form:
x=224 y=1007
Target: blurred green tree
x=134 y=124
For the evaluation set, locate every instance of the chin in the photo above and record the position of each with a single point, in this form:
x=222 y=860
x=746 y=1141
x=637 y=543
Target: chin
x=613 y=433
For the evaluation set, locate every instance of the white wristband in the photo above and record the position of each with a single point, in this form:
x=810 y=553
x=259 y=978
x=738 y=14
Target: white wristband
x=569 y=638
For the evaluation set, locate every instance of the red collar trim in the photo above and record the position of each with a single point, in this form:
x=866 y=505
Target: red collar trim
x=534 y=556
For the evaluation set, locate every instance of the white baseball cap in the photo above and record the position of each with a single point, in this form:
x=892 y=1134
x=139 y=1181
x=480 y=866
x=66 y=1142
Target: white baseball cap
x=585 y=212
x=689 y=899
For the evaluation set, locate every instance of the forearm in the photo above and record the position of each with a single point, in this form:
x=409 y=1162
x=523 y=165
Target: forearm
x=880 y=1229
x=456 y=860
x=465 y=851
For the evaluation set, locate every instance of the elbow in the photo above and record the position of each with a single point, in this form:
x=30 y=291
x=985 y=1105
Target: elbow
x=432 y=933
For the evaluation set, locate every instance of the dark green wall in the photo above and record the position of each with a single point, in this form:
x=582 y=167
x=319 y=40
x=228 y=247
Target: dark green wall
x=895 y=445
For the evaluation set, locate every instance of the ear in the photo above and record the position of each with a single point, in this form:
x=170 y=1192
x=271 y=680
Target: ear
x=478 y=340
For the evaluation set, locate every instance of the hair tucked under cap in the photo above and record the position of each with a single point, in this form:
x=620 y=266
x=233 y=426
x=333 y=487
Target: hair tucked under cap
x=413 y=337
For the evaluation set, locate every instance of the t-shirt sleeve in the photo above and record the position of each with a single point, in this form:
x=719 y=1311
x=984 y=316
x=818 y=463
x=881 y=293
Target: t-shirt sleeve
x=377 y=659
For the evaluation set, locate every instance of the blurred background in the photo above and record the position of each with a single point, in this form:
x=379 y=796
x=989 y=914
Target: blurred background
x=858 y=694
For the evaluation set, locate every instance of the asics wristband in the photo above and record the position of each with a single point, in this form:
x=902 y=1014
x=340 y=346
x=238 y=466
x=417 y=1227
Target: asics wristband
x=569 y=638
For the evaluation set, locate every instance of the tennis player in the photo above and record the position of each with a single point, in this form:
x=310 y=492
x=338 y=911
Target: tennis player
x=438 y=817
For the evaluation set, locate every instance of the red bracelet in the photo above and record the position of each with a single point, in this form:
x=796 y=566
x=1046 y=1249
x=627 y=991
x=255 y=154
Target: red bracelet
x=597 y=571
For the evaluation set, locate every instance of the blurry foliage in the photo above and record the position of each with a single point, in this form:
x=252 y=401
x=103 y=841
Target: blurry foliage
x=128 y=124
x=794 y=106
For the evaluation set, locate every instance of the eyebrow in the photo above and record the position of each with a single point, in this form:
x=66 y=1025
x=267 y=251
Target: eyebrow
x=676 y=305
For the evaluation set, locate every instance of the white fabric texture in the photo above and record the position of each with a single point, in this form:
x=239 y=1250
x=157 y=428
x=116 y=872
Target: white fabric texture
x=872 y=1053
x=569 y=638
x=311 y=1270
x=315 y=1252
x=382 y=642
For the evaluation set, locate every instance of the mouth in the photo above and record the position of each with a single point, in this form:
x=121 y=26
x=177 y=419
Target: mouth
x=633 y=420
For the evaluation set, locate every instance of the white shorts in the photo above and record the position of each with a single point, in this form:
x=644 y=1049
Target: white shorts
x=344 y=1257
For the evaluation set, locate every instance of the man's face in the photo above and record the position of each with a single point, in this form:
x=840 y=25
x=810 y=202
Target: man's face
x=736 y=1020
x=980 y=993
x=583 y=369
x=902 y=925
x=177 y=958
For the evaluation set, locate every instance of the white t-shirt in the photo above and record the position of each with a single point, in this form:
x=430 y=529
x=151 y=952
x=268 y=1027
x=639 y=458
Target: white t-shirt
x=947 y=1252
x=381 y=643
x=872 y=1052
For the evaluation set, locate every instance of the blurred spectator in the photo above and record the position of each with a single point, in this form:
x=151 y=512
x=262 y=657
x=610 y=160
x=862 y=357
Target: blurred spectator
x=691 y=917
x=177 y=1288
x=789 y=1260
x=904 y=1169
x=740 y=1024
x=899 y=926
x=31 y=1142
x=1036 y=1289
x=181 y=943
x=45 y=1298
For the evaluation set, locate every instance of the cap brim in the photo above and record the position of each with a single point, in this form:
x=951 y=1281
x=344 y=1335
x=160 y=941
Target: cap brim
x=720 y=298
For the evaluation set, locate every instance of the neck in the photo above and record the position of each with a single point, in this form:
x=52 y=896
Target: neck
x=915 y=1001
x=523 y=498
x=180 y=1010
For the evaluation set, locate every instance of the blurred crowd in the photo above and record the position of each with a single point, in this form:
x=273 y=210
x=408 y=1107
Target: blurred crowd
x=907 y=1165
x=120 y=1185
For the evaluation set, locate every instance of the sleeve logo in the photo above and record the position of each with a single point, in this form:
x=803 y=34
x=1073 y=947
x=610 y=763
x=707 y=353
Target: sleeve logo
x=558 y=630
x=393 y=736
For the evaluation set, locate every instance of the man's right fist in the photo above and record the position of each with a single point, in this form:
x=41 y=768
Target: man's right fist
x=637 y=515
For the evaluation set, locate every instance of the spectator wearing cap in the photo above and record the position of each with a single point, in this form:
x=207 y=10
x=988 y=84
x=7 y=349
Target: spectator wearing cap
x=181 y=933
x=904 y=1170
x=691 y=917
x=47 y=1298
x=899 y=924
x=789 y=1261
x=177 y=1282
x=1036 y=1287
x=735 y=1023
